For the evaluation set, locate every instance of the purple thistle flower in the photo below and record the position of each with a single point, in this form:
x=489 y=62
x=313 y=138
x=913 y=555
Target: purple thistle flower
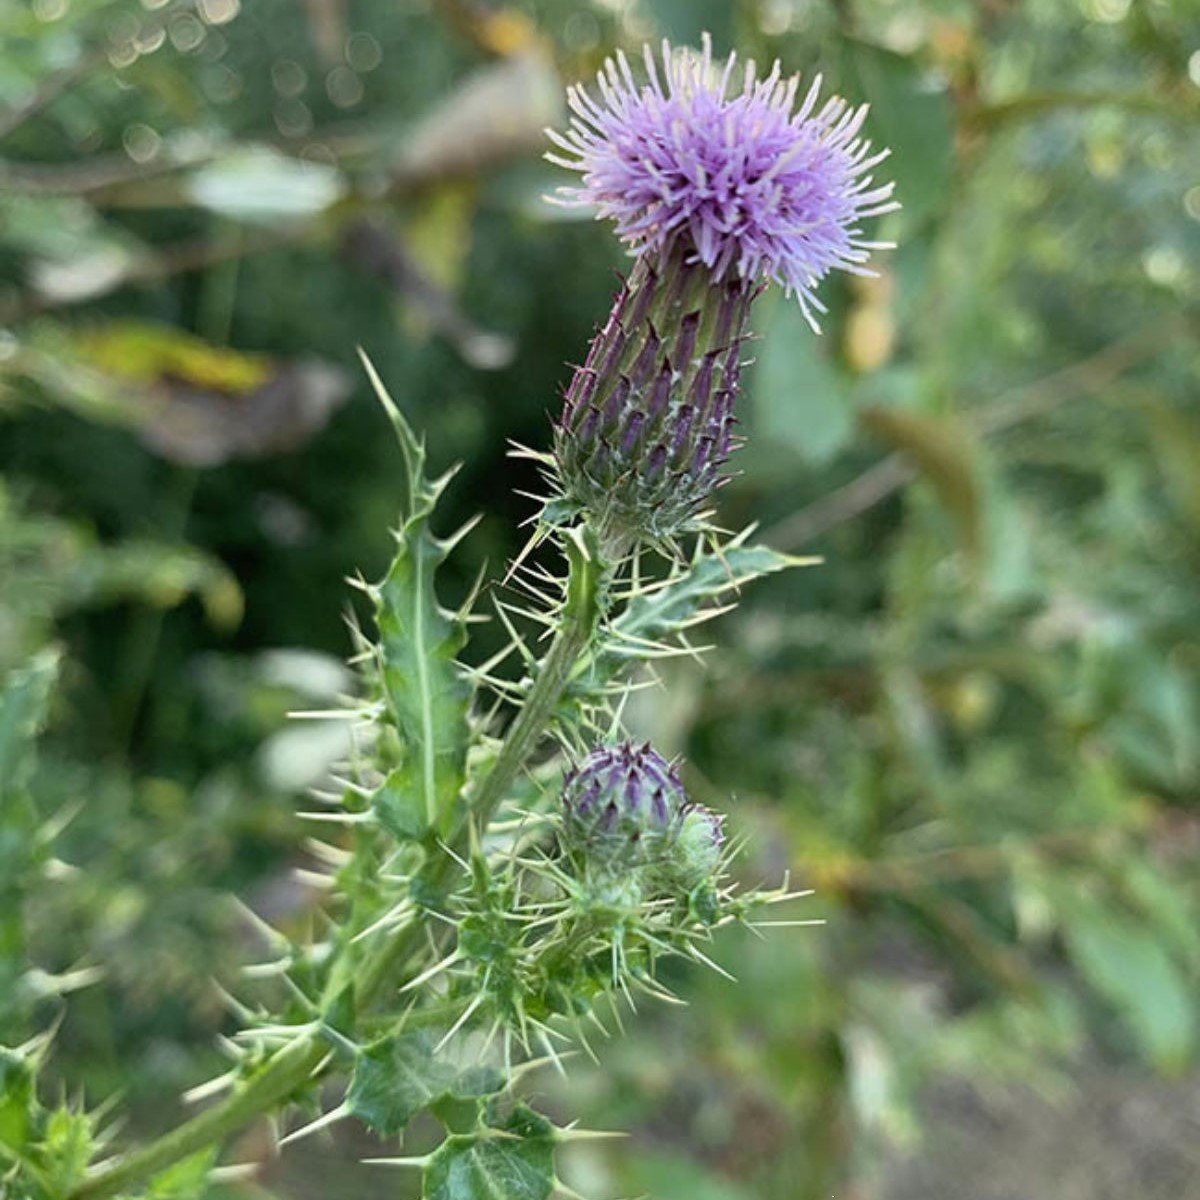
x=745 y=185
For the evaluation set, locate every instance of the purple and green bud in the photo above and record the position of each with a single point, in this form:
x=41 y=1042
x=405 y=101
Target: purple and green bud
x=622 y=806
x=699 y=847
x=625 y=812
x=648 y=419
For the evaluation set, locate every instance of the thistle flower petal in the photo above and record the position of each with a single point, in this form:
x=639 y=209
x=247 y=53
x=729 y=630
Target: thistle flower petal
x=750 y=187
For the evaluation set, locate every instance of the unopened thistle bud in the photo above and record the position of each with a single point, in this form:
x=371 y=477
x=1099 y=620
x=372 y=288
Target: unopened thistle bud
x=648 y=419
x=622 y=806
x=716 y=189
x=699 y=846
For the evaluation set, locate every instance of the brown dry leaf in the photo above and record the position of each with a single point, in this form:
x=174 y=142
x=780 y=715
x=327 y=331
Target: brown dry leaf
x=496 y=114
x=204 y=428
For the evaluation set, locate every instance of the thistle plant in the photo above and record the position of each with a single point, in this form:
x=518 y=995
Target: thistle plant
x=507 y=869
x=716 y=191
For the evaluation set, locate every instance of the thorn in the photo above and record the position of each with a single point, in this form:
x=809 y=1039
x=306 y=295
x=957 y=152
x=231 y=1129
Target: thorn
x=701 y=957
x=427 y=975
x=234 y=1172
x=466 y=1016
x=210 y=1087
x=535 y=1064
x=323 y=1122
x=785 y=924
x=339 y=818
x=393 y=916
x=571 y=1134
x=447 y=544
x=552 y=1054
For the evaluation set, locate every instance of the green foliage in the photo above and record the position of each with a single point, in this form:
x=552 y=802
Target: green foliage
x=24 y=703
x=400 y=1076
x=427 y=696
x=43 y=1150
x=514 y=1161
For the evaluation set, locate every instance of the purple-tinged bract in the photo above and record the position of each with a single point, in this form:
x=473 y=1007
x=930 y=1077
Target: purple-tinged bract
x=648 y=420
x=726 y=168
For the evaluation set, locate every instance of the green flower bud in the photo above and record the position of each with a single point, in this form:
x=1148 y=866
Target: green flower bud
x=698 y=847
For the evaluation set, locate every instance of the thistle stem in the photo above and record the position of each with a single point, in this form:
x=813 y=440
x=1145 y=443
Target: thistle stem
x=581 y=613
x=582 y=607
x=301 y=1059
x=289 y=1070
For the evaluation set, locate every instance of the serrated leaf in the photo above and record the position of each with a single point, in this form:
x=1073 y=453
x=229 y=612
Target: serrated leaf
x=400 y=808
x=708 y=579
x=428 y=699
x=394 y=1080
x=660 y=614
x=400 y=1076
x=515 y=1162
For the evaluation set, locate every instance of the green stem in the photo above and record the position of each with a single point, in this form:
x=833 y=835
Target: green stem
x=300 y=1061
x=289 y=1070
x=581 y=613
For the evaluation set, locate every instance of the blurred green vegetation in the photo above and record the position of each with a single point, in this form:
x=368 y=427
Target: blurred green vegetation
x=975 y=730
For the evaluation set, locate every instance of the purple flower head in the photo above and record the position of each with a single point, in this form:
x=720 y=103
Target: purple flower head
x=749 y=187
x=622 y=805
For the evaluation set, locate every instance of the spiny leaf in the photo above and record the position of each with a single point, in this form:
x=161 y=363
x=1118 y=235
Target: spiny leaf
x=394 y=1080
x=710 y=577
x=515 y=1162
x=398 y=1077
x=428 y=699
x=665 y=610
